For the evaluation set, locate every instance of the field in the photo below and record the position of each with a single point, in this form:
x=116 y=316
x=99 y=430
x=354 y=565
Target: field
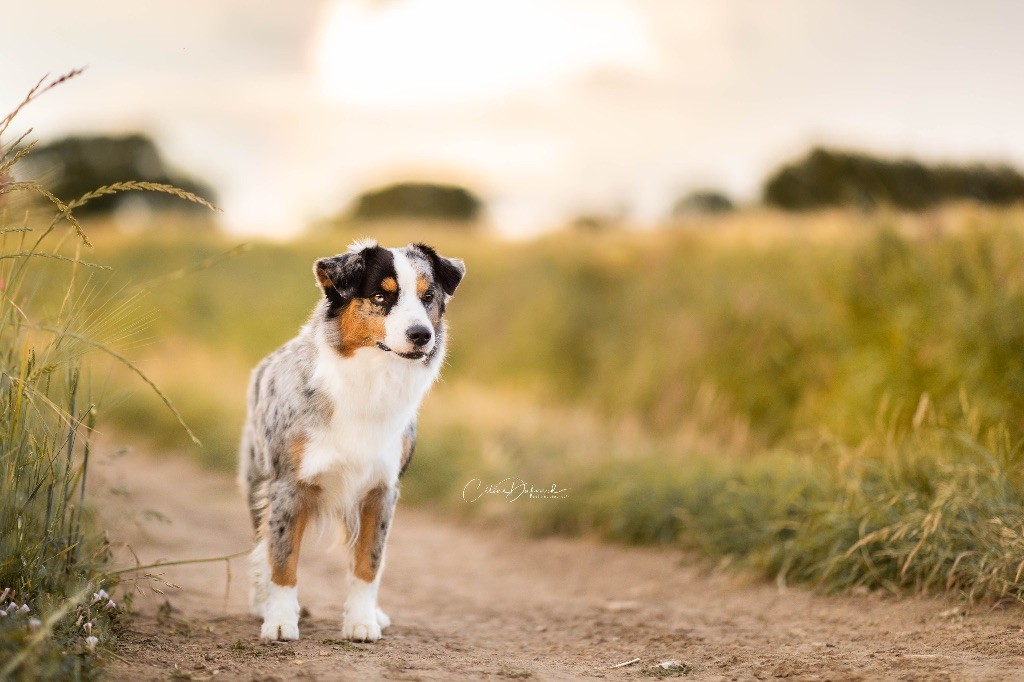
x=834 y=399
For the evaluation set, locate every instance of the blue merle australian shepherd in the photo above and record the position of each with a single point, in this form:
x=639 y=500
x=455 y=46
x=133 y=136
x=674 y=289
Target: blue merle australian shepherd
x=332 y=423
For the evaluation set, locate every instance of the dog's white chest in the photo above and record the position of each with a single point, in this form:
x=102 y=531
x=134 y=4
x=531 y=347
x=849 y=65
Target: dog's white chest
x=374 y=397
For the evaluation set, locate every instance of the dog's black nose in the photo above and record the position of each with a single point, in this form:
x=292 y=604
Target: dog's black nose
x=419 y=335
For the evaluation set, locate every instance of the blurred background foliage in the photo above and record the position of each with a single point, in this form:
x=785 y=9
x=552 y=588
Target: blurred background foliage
x=823 y=178
x=703 y=202
x=779 y=332
x=829 y=178
x=72 y=166
x=422 y=200
x=832 y=397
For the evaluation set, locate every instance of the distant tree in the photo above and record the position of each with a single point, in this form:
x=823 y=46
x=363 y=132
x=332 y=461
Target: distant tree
x=703 y=202
x=418 y=200
x=79 y=164
x=836 y=178
x=594 y=222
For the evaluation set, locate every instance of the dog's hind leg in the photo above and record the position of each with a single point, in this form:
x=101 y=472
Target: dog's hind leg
x=363 y=620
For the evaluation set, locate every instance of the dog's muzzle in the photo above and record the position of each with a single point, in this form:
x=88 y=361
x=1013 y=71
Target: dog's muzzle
x=415 y=355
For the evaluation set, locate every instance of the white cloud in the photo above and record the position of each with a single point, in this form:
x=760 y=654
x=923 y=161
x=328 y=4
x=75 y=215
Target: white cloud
x=439 y=52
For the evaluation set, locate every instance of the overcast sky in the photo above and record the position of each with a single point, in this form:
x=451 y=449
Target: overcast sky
x=547 y=108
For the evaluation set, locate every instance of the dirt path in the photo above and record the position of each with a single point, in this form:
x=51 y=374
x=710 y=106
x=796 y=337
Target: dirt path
x=472 y=603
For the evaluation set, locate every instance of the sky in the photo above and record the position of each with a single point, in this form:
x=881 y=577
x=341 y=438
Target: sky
x=546 y=108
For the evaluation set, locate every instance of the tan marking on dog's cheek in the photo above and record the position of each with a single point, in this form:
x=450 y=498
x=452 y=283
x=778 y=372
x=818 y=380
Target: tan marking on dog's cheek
x=359 y=327
x=389 y=284
x=374 y=520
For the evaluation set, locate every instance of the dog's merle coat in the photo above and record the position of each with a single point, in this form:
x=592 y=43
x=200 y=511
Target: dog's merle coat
x=332 y=422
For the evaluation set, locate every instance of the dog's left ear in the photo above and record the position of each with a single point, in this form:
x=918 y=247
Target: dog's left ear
x=449 y=271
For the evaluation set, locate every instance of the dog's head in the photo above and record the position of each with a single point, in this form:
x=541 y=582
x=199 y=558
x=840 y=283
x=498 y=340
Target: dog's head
x=392 y=300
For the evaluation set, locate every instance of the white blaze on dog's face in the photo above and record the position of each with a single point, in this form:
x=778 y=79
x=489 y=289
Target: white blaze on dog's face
x=389 y=299
x=408 y=329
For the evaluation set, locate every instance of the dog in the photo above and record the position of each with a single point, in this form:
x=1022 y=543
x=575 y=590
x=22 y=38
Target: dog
x=331 y=424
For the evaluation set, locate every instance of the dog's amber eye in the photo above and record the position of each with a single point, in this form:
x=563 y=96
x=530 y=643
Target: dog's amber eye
x=378 y=298
x=428 y=297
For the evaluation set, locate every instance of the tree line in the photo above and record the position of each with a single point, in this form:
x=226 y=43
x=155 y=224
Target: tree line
x=823 y=178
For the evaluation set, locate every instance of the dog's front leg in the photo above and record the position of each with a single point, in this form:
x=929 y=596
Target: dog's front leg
x=286 y=522
x=363 y=620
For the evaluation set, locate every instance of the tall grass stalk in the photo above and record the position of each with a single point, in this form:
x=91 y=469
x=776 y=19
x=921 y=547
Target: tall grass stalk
x=57 y=611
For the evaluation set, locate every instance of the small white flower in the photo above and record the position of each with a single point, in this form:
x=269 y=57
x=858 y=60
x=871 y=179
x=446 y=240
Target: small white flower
x=96 y=597
x=111 y=605
x=91 y=642
x=3 y=614
x=78 y=623
x=24 y=608
x=103 y=594
x=34 y=624
x=88 y=628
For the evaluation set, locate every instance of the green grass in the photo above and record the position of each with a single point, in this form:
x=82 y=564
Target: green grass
x=834 y=399
x=57 y=619
x=932 y=507
x=780 y=338
x=51 y=555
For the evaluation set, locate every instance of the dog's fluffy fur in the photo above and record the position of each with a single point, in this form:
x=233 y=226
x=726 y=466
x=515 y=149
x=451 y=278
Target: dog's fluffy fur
x=332 y=423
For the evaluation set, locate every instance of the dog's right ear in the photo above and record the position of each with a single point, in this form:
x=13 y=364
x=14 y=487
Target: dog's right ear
x=340 y=276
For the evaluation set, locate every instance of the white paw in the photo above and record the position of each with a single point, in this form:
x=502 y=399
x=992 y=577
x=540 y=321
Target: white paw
x=279 y=629
x=361 y=629
x=280 y=615
x=382 y=620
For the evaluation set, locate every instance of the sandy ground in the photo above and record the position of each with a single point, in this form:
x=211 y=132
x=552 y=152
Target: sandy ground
x=474 y=603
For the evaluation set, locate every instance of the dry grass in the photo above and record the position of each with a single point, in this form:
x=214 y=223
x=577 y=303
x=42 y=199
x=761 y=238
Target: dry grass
x=55 y=614
x=834 y=399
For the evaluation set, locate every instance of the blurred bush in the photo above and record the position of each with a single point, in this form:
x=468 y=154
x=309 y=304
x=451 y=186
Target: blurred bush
x=703 y=202
x=72 y=166
x=595 y=222
x=418 y=200
x=829 y=178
